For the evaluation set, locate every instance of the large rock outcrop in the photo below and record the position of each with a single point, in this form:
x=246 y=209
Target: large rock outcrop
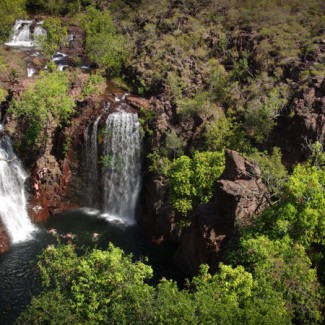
x=239 y=197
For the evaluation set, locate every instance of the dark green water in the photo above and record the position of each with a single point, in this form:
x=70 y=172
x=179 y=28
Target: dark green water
x=18 y=272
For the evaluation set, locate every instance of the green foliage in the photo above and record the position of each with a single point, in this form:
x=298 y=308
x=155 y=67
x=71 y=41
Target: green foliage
x=66 y=145
x=174 y=144
x=42 y=103
x=218 y=79
x=159 y=164
x=3 y=94
x=52 y=308
x=317 y=157
x=180 y=193
x=56 y=34
x=237 y=298
x=94 y=85
x=260 y=115
x=112 y=162
x=106 y=287
x=200 y=104
x=300 y=213
x=218 y=132
x=103 y=45
x=97 y=286
x=284 y=266
x=305 y=205
x=10 y=10
x=191 y=180
x=174 y=86
x=274 y=174
x=146 y=117
x=2 y=66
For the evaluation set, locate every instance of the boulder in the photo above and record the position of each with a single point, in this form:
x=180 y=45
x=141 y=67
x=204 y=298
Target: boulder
x=239 y=196
x=138 y=102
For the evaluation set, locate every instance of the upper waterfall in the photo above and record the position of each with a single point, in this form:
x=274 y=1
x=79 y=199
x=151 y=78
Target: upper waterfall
x=23 y=35
x=13 y=211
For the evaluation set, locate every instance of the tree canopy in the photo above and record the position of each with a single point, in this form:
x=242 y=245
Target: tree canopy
x=107 y=287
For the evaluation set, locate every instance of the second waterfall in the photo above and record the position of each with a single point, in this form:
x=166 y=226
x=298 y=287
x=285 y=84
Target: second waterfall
x=118 y=160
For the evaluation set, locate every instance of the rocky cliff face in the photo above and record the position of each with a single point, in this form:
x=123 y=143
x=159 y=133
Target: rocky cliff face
x=155 y=214
x=239 y=197
x=303 y=124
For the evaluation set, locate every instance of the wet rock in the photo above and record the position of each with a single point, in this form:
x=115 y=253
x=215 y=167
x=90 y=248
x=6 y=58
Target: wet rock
x=239 y=196
x=156 y=216
x=4 y=239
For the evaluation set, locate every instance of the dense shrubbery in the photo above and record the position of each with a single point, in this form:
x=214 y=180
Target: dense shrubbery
x=191 y=180
x=107 y=287
x=3 y=94
x=43 y=103
x=56 y=34
x=300 y=214
x=94 y=85
x=10 y=10
x=103 y=45
x=274 y=174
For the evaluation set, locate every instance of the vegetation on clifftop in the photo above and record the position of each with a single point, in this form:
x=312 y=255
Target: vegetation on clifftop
x=42 y=104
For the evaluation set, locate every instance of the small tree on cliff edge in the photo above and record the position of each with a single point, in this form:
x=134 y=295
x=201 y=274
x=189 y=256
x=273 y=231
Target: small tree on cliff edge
x=43 y=103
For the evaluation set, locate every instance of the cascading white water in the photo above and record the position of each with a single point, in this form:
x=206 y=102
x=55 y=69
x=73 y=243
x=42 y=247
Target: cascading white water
x=30 y=72
x=39 y=31
x=121 y=167
x=13 y=211
x=91 y=162
x=22 y=36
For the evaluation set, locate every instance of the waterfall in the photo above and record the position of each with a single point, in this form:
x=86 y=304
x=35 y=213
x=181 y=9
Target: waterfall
x=30 y=72
x=22 y=36
x=13 y=211
x=121 y=167
x=39 y=31
x=91 y=162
